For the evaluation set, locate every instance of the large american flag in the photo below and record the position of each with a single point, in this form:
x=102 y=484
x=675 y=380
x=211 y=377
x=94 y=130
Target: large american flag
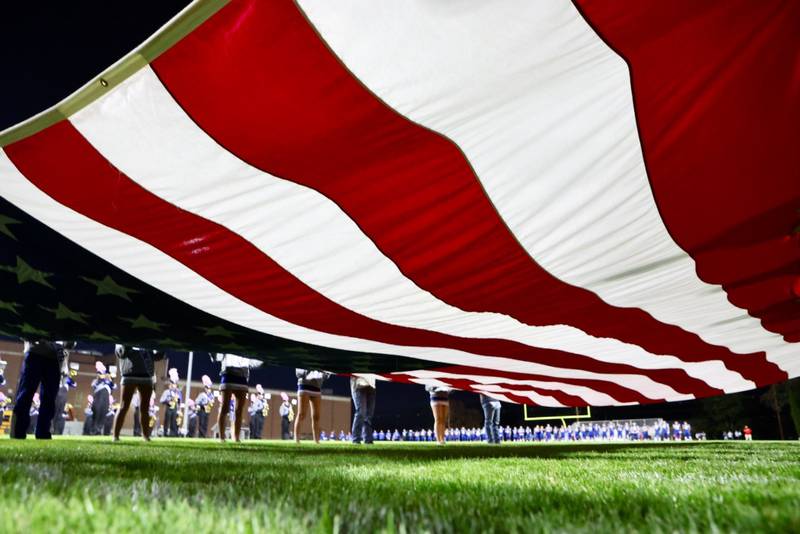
x=562 y=204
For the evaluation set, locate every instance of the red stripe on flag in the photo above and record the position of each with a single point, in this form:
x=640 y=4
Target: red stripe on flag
x=717 y=94
x=259 y=80
x=60 y=162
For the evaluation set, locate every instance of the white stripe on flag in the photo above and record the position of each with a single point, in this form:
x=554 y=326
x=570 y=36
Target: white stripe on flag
x=536 y=398
x=161 y=271
x=543 y=110
x=592 y=397
x=143 y=132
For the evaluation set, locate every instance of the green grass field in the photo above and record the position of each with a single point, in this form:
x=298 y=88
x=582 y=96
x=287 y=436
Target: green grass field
x=84 y=484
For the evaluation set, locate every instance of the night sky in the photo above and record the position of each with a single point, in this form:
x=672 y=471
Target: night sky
x=49 y=50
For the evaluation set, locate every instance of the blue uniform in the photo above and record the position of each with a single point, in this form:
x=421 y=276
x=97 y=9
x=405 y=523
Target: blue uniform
x=204 y=403
x=101 y=391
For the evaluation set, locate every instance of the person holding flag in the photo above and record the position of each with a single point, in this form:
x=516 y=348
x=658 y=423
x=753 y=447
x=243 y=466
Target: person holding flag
x=234 y=375
x=309 y=394
x=440 y=406
x=491 y=418
x=41 y=368
x=362 y=390
x=137 y=368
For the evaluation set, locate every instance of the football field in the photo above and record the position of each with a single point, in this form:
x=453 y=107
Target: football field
x=186 y=485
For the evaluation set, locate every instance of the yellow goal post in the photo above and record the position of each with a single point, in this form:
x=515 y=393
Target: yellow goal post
x=563 y=418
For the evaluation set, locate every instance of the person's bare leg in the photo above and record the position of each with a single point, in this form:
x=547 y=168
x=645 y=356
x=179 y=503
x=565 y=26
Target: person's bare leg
x=124 y=404
x=315 y=402
x=435 y=411
x=301 y=414
x=237 y=423
x=445 y=417
x=145 y=392
x=440 y=421
x=224 y=408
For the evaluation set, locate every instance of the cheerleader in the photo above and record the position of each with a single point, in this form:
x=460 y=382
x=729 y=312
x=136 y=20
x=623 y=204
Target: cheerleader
x=137 y=368
x=440 y=406
x=309 y=394
x=191 y=426
x=234 y=375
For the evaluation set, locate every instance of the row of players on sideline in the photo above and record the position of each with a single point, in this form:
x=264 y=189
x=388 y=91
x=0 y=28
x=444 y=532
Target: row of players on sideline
x=46 y=365
x=612 y=431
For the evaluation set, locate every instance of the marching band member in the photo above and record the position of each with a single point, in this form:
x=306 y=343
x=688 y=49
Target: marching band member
x=251 y=412
x=234 y=375
x=137 y=368
x=259 y=408
x=34 y=413
x=136 y=402
x=309 y=394
x=191 y=428
x=88 y=423
x=179 y=419
x=287 y=414
x=108 y=425
x=204 y=403
x=67 y=382
x=171 y=399
x=101 y=390
x=152 y=413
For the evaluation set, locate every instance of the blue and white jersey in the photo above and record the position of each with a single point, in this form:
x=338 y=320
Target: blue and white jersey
x=102 y=383
x=257 y=406
x=205 y=401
